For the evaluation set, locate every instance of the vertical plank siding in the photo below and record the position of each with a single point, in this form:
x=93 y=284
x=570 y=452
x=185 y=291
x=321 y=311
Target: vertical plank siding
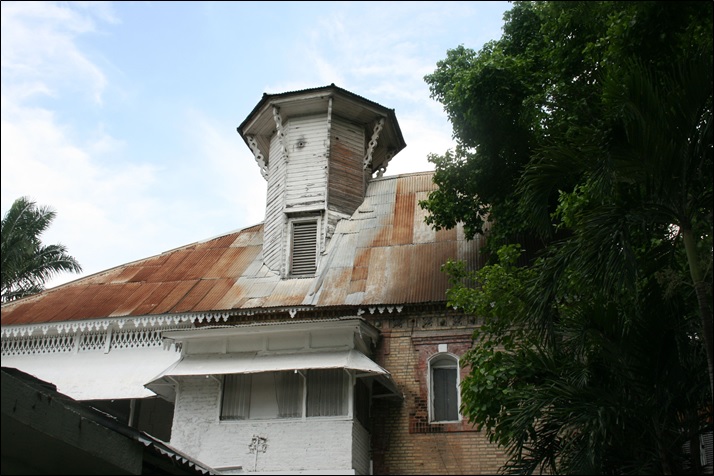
x=306 y=182
x=274 y=217
x=347 y=178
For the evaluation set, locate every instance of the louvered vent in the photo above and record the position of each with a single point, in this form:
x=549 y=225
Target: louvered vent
x=304 y=249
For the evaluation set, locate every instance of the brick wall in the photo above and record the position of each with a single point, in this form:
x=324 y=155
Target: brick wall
x=403 y=440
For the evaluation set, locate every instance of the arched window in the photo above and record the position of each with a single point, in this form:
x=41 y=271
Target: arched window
x=444 y=388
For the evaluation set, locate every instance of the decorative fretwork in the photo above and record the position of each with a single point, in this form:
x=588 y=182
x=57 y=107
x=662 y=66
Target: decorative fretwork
x=103 y=335
x=133 y=338
x=93 y=341
x=383 y=168
x=280 y=132
x=38 y=345
x=253 y=144
x=373 y=143
x=97 y=341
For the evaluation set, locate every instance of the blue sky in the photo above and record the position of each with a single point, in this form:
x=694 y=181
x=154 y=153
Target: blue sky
x=122 y=116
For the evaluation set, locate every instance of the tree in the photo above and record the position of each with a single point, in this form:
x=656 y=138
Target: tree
x=26 y=263
x=655 y=173
x=598 y=391
x=541 y=82
x=591 y=356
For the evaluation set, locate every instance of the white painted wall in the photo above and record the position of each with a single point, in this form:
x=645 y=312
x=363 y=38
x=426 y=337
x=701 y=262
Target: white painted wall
x=309 y=445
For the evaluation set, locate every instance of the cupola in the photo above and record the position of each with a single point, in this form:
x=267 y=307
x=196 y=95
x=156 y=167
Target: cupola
x=318 y=149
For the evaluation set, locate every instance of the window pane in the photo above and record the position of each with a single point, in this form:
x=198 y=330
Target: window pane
x=288 y=392
x=445 y=396
x=236 y=397
x=326 y=393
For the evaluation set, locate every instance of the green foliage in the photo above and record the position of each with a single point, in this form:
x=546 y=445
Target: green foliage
x=542 y=84
x=588 y=125
x=26 y=263
x=605 y=388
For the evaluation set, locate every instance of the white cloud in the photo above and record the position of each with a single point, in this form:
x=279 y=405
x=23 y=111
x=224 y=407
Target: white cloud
x=96 y=200
x=38 y=47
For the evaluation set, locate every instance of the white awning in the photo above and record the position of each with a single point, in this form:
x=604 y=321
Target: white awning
x=246 y=363
x=91 y=375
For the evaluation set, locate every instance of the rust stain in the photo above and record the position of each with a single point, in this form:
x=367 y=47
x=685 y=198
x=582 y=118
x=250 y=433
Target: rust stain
x=381 y=264
x=404 y=219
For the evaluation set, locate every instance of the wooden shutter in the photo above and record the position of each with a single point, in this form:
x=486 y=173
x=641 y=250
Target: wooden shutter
x=303 y=260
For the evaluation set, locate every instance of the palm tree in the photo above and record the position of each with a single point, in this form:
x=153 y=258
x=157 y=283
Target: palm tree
x=667 y=151
x=640 y=231
x=26 y=263
x=650 y=176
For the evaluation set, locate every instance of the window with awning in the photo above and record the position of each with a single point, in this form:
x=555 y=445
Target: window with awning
x=285 y=394
x=257 y=363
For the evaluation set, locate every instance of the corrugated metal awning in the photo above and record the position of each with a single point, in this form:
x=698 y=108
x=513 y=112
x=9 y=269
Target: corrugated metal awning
x=245 y=363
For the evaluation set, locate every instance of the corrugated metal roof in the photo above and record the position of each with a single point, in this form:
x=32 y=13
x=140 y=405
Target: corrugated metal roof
x=383 y=254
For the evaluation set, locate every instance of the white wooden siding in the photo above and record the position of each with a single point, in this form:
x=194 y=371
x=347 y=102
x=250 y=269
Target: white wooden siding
x=275 y=222
x=306 y=183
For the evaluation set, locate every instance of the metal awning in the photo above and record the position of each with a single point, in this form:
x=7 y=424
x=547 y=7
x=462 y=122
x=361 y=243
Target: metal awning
x=246 y=363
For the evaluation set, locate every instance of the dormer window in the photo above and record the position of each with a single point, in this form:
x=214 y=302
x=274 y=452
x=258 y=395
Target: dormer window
x=303 y=246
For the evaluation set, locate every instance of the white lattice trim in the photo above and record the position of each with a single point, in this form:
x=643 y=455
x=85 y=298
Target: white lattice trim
x=111 y=333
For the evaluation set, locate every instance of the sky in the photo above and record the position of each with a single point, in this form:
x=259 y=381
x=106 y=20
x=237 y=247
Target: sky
x=122 y=116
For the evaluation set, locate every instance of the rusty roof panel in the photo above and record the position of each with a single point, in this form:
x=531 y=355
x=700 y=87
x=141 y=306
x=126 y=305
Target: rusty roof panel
x=166 y=272
x=142 y=274
x=102 y=301
x=423 y=233
x=252 y=236
x=446 y=235
x=289 y=292
x=192 y=266
x=218 y=289
x=383 y=236
x=357 y=286
x=359 y=273
x=194 y=296
x=36 y=307
x=21 y=310
x=140 y=292
x=172 y=297
x=157 y=295
x=411 y=183
x=246 y=289
x=82 y=306
x=403 y=231
x=334 y=288
x=234 y=262
x=125 y=275
x=383 y=254
x=218 y=242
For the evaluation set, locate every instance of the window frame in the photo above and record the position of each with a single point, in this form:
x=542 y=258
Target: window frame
x=444 y=360
x=345 y=382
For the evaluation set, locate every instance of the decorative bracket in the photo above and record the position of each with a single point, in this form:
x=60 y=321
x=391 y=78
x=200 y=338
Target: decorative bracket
x=383 y=167
x=373 y=142
x=280 y=131
x=253 y=144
